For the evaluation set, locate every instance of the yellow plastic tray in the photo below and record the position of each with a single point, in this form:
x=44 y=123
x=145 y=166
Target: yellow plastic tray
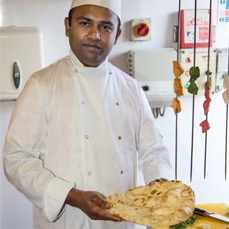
x=220 y=208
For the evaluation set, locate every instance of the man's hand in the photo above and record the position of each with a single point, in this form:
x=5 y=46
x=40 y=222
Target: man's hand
x=92 y=204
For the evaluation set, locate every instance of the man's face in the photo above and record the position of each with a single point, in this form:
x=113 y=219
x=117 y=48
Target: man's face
x=92 y=33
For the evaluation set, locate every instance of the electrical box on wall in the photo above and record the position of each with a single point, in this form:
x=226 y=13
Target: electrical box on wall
x=186 y=60
x=154 y=71
x=221 y=68
x=22 y=53
x=140 y=29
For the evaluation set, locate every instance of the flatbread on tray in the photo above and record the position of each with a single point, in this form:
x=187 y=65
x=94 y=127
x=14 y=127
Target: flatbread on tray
x=161 y=203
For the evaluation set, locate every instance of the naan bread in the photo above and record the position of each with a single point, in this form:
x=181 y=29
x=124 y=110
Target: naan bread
x=161 y=203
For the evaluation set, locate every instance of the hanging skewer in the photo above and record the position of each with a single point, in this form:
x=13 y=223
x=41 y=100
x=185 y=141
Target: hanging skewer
x=178 y=52
x=226 y=124
x=193 y=97
x=208 y=84
x=193 y=107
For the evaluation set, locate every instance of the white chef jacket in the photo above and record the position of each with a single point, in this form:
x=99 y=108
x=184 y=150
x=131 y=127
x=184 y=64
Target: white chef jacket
x=83 y=127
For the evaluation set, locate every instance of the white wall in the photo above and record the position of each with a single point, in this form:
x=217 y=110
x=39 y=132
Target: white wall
x=48 y=16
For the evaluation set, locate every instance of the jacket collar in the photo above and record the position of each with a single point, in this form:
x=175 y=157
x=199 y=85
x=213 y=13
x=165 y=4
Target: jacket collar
x=78 y=63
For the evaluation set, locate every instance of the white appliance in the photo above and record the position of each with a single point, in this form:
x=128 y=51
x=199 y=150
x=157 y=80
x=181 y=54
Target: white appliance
x=186 y=58
x=153 y=69
x=22 y=53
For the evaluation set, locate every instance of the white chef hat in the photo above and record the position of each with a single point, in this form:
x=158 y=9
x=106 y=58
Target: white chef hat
x=114 y=5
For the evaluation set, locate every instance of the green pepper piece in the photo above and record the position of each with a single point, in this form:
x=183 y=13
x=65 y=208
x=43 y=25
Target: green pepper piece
x=193 y=88
x=194 y=73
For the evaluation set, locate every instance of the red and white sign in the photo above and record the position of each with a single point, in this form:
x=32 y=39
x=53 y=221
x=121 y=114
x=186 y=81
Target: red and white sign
x=202 y=29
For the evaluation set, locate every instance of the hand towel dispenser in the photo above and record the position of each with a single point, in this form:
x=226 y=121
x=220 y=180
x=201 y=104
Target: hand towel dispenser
x=22 y=53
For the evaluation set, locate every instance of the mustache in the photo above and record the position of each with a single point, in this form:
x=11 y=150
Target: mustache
x=95 y=44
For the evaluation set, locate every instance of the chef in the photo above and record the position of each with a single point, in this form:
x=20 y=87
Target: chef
x=81 y=127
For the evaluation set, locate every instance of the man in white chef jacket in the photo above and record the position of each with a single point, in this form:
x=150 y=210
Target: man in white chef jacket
x=79 y=128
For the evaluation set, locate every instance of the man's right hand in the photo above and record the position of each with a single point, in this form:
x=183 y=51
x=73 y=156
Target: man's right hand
x=92 y=204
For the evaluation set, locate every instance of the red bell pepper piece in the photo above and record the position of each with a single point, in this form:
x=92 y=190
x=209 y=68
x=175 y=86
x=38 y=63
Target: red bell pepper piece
x=206 y=106
x=207 y=93
x=205 y=126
